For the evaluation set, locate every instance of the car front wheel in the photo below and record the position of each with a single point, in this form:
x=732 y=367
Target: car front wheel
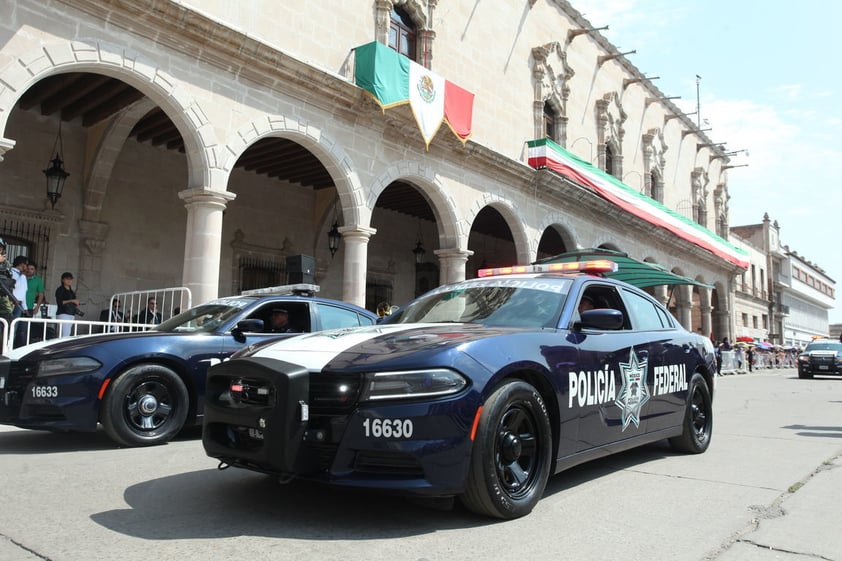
x=698 y=419
x=510 y=463
x=144 y=406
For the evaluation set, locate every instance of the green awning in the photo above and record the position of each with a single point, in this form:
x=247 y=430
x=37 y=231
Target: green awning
x=636 y=273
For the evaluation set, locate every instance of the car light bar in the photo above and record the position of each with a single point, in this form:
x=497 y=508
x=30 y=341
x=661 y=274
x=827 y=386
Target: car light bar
x=595 y=266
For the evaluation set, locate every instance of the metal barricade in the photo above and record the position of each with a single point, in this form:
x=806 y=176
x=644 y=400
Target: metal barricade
x=168 y=302
x=727 y=361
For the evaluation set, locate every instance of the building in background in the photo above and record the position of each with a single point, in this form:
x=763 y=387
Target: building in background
x=800 y=294
x=391 y=144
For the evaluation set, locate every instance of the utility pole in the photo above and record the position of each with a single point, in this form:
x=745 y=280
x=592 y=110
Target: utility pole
x=698 y=103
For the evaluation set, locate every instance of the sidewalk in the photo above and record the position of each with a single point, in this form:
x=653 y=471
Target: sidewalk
x=801 y=524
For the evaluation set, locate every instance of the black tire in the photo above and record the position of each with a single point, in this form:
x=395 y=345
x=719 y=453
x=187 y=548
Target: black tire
x=805 y=375
x=510 y=463
x=144 y=406
x=698 y=419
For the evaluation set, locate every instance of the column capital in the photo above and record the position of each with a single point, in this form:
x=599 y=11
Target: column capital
x=205 y=196
x=6 y=144
x=359 y=233
x=454 y=253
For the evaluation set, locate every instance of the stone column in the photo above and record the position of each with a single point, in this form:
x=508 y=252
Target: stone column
x=662 y=294
x=452 y=264
x=684 y=304
x=705 y=309
x=203 y=241
x=356 y=262
x=89 y=275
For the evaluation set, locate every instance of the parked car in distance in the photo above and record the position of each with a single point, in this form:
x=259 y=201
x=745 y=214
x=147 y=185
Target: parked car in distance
x=480 y=390
x=820 y=357
x=143 y=387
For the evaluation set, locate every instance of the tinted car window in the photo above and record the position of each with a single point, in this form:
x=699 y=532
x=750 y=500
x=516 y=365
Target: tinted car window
x=643 y=312
x=336 y=318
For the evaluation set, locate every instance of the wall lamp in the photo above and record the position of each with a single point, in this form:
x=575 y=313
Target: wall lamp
x=604 y=58
x=701 y=145
x=573 y=33
x=55 y=174
x=693 y=131
x=668 y=118
x=628 y=81
x=650 y=100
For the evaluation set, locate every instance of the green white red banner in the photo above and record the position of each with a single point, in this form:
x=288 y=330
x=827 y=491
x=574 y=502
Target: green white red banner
x=392 y=79
x=544 y=153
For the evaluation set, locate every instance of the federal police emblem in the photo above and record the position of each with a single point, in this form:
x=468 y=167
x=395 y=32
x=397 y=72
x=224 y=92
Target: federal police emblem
x=633 y=393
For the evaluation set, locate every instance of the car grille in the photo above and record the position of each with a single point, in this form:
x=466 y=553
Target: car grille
x=334 y=394
x=822 y=359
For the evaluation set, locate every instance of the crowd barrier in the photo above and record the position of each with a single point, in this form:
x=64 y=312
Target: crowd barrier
x=27 y=330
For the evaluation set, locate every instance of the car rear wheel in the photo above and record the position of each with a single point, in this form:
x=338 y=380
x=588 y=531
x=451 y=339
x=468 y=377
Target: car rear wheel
x=510 y=463
x=146 y=405
x=698 y=419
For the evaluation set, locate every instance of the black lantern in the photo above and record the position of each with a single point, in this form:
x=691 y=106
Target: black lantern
x=333 y=238
x=419 y=252
x=55 y=173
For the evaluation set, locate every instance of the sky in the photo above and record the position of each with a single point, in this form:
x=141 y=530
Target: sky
x=770 y=83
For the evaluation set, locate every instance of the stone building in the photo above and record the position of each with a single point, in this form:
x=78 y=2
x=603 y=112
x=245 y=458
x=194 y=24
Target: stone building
x=208 y=142
x=799 y=292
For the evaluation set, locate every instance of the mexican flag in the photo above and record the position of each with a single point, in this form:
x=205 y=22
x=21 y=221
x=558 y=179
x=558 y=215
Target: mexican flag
x=393 y=80
x=544 y=153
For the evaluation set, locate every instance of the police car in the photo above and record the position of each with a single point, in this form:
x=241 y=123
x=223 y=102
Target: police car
x=480 y=389
x=820 y=357
x=143 y=387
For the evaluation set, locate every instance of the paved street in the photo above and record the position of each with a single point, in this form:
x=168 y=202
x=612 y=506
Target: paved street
x=767 y=489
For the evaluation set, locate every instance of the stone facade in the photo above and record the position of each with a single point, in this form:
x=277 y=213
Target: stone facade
x=229 y=74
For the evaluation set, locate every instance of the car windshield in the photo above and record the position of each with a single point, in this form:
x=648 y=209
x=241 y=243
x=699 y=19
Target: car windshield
x=205 y=318
x=824 y=346
x=495 y=302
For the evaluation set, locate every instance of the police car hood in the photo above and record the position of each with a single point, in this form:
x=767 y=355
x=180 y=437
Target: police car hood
x=375 y=345
x=79 y=343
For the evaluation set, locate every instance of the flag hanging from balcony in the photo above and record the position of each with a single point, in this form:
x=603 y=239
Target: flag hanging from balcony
x=393 y=80
x=544 y=153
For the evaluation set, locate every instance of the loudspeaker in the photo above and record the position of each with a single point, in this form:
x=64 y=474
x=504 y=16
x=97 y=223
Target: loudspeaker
x=301 y=269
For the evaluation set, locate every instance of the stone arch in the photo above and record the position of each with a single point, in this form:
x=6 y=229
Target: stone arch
x=453 y=232
x=329 y=152
x=524 y=248
x=556 y=221
x=139 y=72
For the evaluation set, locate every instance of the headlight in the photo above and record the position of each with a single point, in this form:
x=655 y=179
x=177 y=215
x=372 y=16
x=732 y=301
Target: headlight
x=803 y=358
x=71 y=365
x=412 y=384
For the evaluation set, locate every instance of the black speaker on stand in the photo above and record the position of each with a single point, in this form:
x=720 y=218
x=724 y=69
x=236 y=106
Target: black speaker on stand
x=301 y=269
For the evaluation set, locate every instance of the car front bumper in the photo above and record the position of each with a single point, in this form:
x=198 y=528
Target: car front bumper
x=275 y=417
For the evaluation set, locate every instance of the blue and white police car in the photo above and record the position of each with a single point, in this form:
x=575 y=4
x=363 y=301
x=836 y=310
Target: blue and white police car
x=143 y=387
x=479 y=389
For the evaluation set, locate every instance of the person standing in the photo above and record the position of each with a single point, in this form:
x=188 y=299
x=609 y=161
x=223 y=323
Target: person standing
x=34 y=290
x=19 y=267
x=150 y=314
x=750 y=358
x=67 y=305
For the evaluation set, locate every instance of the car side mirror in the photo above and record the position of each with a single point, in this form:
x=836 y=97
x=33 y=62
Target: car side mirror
x=607 y=319
x=246 y=326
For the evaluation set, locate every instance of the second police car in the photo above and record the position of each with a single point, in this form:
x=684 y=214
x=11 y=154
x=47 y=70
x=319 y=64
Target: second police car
x=479 y=389
x=143 y=387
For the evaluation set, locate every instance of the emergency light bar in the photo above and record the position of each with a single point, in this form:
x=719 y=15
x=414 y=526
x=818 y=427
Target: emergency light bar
x=594 y=267
x=300 y=289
